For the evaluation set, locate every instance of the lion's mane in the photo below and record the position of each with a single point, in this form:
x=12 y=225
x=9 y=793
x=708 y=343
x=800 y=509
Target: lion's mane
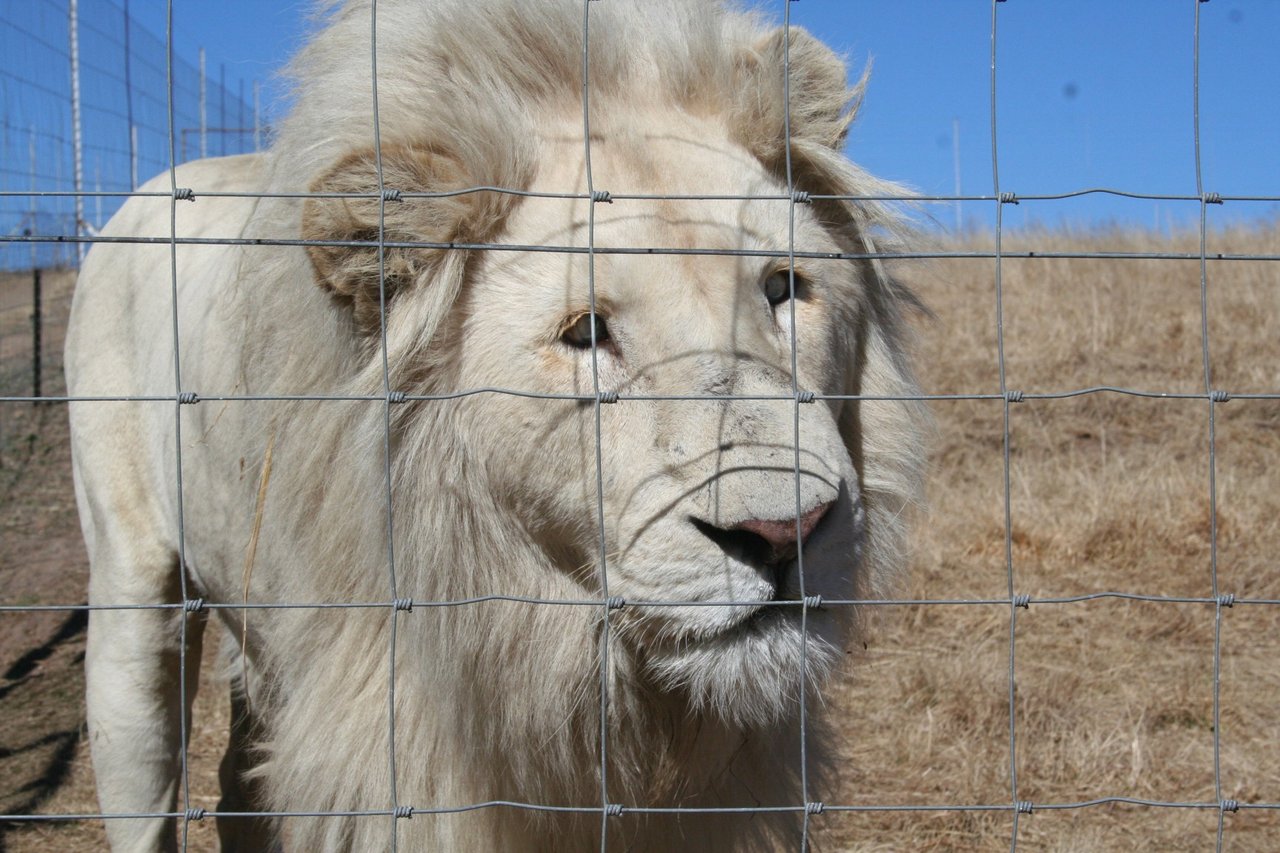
x=501 y=700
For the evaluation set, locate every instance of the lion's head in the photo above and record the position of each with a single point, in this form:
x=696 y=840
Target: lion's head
x=714 y=497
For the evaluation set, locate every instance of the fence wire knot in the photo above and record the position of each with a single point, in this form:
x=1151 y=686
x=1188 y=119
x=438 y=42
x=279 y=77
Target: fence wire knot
x=1008 y=198
x=405 y=604
x=193 y=605
x=607 y=397
x=188 y=398
x=1230 y=805
x=391 y=195
x=601 y=197
x=805 y=396
x=814 y=808
x=1024 y=807
x=1022 y=600
x=195 y=814
x=801 y=197
x=1227 y=600
x=1014 y=396
x=613 y=809
x=1219 y=396
x=184 y=194
x=1212 y=198
x=396 y=397
x=813 y=602
x=403 y=812
x=615 y=602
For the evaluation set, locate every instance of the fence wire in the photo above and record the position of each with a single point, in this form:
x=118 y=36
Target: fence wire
x=43 y=232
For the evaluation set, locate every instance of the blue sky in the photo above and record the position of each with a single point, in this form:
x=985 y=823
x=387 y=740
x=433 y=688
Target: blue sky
x=1090 y=93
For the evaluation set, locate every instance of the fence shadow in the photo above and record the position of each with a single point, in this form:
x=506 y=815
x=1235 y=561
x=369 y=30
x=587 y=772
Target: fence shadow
x=73 y=626
x=39 y=767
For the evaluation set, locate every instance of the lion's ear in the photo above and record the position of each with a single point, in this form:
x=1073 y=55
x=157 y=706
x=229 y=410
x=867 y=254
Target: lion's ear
x=351 y=273
x=822 y=103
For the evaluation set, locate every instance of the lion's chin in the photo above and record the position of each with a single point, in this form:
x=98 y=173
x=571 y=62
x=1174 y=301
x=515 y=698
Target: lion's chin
x=750 y=674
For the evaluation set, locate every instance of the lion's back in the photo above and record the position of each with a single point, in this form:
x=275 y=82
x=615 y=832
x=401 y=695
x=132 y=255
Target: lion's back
x=121 y=330
x=119 y=337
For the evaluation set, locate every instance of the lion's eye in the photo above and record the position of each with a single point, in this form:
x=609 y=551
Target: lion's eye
x=777 y=287
x=578 y=334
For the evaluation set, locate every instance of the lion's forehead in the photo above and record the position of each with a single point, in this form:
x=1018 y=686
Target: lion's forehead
x=687 y=168
x=653 y=146
x=683 y=225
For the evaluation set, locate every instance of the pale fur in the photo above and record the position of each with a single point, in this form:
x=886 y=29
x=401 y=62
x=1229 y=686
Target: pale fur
x=495 y=494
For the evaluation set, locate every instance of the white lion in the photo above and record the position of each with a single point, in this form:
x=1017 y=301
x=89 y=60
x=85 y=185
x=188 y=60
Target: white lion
x=284 y=500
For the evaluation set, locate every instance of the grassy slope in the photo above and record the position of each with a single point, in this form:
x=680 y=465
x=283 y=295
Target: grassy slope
x=1108 y=493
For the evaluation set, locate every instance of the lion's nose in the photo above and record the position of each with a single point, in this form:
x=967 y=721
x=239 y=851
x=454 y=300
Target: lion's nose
x=781 y=533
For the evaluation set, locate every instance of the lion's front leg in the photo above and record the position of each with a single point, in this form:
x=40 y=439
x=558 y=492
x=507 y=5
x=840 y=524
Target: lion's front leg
x=134 y=706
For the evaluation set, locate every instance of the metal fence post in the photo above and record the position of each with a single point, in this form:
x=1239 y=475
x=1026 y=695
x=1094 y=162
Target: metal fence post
x=222 y=109
x=204 y=113
x=128 y=103
x=36 y=323
x=76 y=142
x=257 y=119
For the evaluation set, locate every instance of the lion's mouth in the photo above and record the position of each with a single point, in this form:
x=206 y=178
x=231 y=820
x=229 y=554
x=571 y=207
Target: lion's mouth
x=774 y=563
x=750 y=591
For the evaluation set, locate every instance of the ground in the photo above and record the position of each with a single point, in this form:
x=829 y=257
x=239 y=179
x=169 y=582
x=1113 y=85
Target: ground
x=1109 y=493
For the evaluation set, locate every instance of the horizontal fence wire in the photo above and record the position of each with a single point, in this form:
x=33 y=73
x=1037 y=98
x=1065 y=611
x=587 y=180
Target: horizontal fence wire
x=44 y=228
x=1023 y=601
x=607 y=397
x=781 y=254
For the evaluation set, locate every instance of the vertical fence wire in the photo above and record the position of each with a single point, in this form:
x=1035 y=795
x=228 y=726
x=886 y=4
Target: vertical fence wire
x=394 y=612
x=1213 y=399
x=1006 y=399
x=803 y=679
x=190 y=607
x=607 y=603
x=597 y=429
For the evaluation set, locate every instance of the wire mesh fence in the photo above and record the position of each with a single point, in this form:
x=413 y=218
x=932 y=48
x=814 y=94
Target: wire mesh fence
x=86 y=119
x=1006 y=399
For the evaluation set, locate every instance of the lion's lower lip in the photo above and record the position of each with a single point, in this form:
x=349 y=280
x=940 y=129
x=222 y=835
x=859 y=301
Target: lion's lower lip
x=746 y=619
x=761 y=618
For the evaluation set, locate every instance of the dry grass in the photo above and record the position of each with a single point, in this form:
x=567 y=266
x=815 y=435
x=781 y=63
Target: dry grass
x=1109 y=493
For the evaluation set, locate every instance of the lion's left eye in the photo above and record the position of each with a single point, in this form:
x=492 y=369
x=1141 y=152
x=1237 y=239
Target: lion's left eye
x=777 y=287
x=578 y=333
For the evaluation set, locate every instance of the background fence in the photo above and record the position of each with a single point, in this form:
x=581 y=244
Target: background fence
x=85 y=120
x=1213 y=600
x=85 y=112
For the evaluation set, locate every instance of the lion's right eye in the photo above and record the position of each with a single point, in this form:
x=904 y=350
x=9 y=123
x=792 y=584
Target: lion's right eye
x=778 y=287
x=578 y=334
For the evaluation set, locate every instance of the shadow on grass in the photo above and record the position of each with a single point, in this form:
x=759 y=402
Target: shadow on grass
x=74 y=625
x=50 y=754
